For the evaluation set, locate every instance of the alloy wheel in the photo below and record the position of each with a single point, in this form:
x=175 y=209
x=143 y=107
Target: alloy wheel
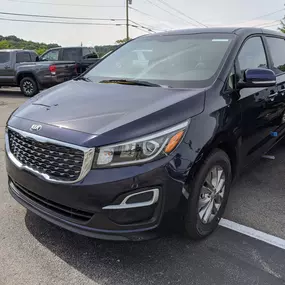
x=212 y=194
x=28 y=87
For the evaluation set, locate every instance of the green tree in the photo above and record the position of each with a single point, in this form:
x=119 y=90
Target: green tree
x=40 y=51
x=4 y=44
x=282 y=28
x=14 y=42
x=120 y=42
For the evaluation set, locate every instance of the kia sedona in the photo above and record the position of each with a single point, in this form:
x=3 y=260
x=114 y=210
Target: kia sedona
x=159 y=128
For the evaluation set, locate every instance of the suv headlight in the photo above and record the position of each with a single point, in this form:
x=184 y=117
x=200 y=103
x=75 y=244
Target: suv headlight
x=141 y=150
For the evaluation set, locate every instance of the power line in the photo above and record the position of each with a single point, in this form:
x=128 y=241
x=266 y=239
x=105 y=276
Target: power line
x=176 y=16
x=137 y=26
x=60 y=17
x=178 y=11
x=147 y=26
x=141 y=29
x=63 y=4
x=59 y=22
x=265 y=15
x=148 y=15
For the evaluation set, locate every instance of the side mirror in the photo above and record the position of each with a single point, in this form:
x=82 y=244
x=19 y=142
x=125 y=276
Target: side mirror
x=259 y=77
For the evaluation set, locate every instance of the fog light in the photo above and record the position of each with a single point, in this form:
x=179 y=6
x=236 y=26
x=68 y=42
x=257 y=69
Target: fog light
x=136 y=200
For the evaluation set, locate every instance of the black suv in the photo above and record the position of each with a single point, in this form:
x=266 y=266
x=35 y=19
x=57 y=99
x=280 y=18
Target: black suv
x=164 y=123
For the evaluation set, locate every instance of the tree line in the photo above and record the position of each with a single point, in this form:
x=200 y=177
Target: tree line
x=13 y=42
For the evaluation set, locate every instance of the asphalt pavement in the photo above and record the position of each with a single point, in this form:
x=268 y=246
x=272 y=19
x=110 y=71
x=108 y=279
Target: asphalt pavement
x=33 y=251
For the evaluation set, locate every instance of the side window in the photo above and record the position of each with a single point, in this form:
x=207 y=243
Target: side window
x=71 y=54
x=89 y=53
x=4 y=57
x=23 y=57
x=33 y=56
x=277 y=50
x=51 y=55
x=252 y=55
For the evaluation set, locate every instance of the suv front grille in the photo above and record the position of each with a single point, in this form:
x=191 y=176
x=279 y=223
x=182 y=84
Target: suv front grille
x=59 y=162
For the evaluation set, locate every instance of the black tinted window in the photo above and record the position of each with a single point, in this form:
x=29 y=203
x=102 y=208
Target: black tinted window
x=4 y=57
x=33 y=56
x=252 y=54
x=277 y=50
x=89 y=53
x=23 y=57
x=71 y=54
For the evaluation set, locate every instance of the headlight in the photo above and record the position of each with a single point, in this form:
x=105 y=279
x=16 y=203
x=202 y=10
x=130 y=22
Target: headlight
x=140 y=150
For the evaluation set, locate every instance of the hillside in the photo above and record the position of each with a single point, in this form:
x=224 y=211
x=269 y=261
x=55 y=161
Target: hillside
x=13 y=42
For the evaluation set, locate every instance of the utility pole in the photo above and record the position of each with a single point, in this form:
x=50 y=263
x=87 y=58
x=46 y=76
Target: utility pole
x=127 y=19
x=128 y=2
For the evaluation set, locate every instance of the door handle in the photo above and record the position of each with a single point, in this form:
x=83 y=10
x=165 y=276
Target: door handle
x=282 y=90
x=272 y=94
x=6 y=67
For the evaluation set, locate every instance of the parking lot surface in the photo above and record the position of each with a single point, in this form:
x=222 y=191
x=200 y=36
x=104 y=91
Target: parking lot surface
x=33 y=251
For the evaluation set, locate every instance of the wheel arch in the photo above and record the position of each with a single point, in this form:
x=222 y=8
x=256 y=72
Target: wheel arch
x=226 y=142
x=24 y=74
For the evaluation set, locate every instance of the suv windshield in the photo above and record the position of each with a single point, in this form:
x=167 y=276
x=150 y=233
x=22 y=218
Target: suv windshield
x=179 y=61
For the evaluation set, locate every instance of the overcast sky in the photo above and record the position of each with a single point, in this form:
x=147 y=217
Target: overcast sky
x=207 y=12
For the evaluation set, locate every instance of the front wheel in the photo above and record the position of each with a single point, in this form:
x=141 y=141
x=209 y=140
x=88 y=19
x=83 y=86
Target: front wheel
x=208 y=197
x=29 y=87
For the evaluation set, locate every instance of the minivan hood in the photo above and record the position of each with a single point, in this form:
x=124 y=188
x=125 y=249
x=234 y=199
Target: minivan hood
x=98 y=108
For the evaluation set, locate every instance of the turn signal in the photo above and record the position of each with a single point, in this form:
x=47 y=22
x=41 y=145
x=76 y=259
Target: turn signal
x=173 y=142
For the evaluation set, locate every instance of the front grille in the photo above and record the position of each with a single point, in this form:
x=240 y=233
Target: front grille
x=74 y=214
x=58 y=162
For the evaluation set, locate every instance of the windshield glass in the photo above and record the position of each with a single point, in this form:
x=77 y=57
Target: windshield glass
x=179 y=61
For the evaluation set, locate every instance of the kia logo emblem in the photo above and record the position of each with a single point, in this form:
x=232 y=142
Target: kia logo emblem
x=36 y=128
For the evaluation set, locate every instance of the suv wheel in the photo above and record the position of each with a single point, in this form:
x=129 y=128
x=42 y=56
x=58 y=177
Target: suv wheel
x=208 y=197
x=29 y=87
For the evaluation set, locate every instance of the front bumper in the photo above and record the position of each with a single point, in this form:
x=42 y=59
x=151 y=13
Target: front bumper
x=62 y=204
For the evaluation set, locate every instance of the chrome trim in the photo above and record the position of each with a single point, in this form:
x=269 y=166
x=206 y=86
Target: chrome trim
x=155 y=135
x=178 y=127
x=264 y=82
x=273 y=95
x=124 y=205
x=86 y=164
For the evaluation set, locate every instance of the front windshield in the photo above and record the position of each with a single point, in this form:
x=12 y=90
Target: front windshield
x=179 y=61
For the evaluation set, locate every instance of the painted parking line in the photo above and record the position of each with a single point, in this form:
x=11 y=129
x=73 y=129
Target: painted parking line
x=259 y=235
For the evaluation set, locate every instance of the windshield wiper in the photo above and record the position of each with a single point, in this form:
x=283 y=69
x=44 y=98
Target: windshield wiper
x=86 y=79
x=132 y=82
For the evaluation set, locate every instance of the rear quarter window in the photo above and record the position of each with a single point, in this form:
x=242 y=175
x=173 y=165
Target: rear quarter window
x=71 y=54
x=4 y=57
x=23 y=57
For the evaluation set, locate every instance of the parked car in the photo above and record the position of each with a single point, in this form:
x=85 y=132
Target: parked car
x=83 y=56
x=19 y=68
x=115 y=152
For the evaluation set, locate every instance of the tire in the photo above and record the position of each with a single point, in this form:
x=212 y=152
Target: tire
x=29 y=87
x=198 y=223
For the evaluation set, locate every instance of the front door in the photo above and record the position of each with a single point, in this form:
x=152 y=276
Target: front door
x=258 y=105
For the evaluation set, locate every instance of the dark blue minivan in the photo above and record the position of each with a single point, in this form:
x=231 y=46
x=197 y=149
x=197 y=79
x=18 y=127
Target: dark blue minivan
x=159 y=127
